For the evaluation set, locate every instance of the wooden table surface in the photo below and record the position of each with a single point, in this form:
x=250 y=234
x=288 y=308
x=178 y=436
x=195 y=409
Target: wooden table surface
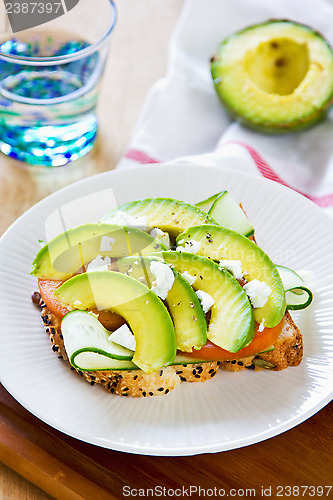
x=301 y=456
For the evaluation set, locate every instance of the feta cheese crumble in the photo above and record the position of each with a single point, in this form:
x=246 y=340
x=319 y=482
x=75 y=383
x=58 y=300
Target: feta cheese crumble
x=206 y=300
x=261 y=327
x=258 y=292
x=233 y=266
x=124 y=337
x=106 y=244
x=191 y=279
x=164 y=278
x=161 y=237
x=99 y=264
x=125 y=219
x=190 y=247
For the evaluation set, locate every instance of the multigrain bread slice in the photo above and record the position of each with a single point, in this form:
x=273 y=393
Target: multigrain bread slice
x=288 y=351
x=131 y=382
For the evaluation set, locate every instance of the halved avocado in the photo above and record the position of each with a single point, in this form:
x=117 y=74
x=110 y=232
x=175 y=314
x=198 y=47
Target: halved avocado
x=172 y=216
x=276 y=76
x=184 y=306
x=65 y=254
x=220 y=243
x=145 y=313
x=231 y=325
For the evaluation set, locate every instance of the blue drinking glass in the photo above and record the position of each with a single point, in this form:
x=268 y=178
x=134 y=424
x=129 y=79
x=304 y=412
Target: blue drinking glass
x=50 y=78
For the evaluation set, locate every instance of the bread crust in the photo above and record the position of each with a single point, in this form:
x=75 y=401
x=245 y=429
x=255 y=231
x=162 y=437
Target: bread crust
x=288 y=351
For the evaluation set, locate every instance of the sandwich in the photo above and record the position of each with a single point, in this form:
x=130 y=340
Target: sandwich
x=161 y=292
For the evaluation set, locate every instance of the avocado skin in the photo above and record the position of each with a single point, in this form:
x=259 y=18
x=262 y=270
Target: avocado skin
x=293 y=125
x=269 y=129
x=145 y=313
x=221 y=243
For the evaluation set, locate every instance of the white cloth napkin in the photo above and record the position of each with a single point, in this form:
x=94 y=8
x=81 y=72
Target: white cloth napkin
x=182 y=116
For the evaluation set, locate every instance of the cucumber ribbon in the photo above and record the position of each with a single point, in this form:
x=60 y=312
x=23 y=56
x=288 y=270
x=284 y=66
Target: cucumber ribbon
x=298 y=295
x=87 y=345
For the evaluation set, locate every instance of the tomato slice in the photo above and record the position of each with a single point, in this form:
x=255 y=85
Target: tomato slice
x=261 y=341
x=110 y=320
x=47 y=289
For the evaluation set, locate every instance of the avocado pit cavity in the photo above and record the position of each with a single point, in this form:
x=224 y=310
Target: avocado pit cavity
x=278 y=66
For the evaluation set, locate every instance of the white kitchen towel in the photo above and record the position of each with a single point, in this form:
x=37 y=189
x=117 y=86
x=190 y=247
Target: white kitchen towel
x=182 y=117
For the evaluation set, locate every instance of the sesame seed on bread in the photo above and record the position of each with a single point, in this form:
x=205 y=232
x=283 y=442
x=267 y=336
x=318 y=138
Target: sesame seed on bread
x=287 y=351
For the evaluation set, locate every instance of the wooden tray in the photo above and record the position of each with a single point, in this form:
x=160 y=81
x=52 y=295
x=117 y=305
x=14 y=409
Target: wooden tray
x=71 y=469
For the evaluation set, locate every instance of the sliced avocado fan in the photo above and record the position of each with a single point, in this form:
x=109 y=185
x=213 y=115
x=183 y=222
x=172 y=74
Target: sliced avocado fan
x=219 y=243
x=182 y=302
x=231 y=325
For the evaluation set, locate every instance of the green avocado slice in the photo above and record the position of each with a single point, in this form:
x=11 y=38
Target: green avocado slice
x=276 y=76
x=183 y=304
x=145 y=313
x=231 y=325
x=65 y=254
x=172 y=216
x=220 y=243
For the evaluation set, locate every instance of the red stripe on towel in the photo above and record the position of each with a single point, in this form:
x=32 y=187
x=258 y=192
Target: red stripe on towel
x=140 y=157
x=264 y=168
x=266 y=171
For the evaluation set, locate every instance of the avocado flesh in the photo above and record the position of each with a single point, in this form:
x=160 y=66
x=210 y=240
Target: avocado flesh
x=275 y=76
x=220 y=243
x=65 y=254
x=145 y=313
x=231 y=325
x=172 y=216
x=183 y=304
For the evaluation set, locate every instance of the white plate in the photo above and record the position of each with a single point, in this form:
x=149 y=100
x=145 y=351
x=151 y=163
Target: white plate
x=230 y=411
